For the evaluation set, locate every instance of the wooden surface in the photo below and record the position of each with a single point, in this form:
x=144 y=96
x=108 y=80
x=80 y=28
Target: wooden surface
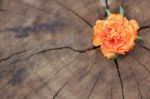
x=46 y=51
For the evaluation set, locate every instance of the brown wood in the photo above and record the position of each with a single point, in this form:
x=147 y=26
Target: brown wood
x=46 y=51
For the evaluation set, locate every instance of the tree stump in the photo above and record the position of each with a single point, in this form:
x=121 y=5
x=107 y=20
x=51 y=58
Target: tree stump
x=46 y=51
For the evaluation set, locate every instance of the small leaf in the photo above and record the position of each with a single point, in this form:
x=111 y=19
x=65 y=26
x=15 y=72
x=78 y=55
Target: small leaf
x=121 y=11
x=108 y=12
x=116 y=56
x=140 y=39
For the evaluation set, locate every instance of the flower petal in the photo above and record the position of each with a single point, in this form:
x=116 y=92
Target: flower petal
x=115 y=35
x=134 y=24
x=108 y=54
x=96 y=40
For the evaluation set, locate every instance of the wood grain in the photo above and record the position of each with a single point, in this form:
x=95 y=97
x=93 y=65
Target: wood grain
x=46 y=51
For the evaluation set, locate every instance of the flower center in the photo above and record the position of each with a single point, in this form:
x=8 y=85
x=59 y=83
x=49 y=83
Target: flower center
x=111 y=41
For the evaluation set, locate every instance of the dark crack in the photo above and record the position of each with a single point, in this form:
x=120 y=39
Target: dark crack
x=140 y=63
x=87 y=73
x=107 y=5
x=95 y=83
x=136 y=82
x=60 y=48
x=76 y=14
x=146 y=48
x=144 y=27
x=45 y=82
x=119 y=74
x=14 y=54
x=46 y=50
x=59 y=91
x=53 y=49
x=79 y=51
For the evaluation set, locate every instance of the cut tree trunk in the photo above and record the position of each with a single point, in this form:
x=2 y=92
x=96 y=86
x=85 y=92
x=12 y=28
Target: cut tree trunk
x=46 y=51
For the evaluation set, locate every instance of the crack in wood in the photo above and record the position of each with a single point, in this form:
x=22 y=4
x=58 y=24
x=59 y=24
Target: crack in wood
x=45 y=82
x=60 y=48
x=119 y=74
x=90 y=69
x=86 y=75
x=12 y=55
x=45 y=50
x=144 y=27
x=95 y=83
x=76 y=14
x=146 y=48
x=59 y=91
x=136 y=82
x=107 y=5
x=145 y=67
x=75 y=50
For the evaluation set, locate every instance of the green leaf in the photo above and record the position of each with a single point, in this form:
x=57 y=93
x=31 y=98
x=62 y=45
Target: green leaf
x=121 y=11
x=116 y=56
x=140 y=39
x=108 y=12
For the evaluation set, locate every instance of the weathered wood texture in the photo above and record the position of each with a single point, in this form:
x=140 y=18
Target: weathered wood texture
x=46 y=51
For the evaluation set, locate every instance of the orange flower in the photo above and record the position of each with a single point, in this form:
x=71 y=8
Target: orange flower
x=115 y=35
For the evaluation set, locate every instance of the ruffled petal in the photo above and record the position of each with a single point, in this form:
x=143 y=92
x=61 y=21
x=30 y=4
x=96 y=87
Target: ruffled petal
x=108 y=54
x=96 y=40
x=134 y=24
